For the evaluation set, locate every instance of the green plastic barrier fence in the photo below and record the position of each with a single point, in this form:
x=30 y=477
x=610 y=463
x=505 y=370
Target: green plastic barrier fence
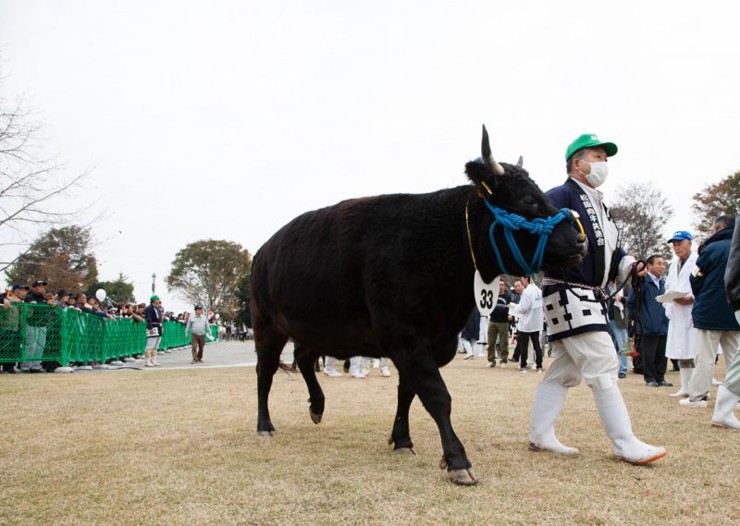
x=173 y=335
x=35 y=332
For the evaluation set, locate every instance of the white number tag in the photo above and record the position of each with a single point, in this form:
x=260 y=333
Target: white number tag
x=486 y=294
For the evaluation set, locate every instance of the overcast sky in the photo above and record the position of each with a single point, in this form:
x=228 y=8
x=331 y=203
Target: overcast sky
x=225 y=119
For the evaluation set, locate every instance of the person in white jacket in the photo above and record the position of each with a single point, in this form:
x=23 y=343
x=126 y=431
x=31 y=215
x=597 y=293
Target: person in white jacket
x=681 y=332
x=530 y=314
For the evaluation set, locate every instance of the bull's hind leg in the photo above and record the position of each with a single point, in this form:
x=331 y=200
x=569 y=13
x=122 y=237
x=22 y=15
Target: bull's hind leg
x=306 y=360
x=269 y=343
x=400 y=436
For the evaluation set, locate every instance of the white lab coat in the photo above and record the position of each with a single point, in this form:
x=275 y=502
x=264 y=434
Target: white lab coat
x=529 y=310
x=681 y=332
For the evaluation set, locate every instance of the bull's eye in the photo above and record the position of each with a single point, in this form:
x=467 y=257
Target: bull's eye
x=529 y=201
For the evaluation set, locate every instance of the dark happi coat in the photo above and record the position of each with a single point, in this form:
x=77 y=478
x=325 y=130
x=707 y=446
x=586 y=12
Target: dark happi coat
x=566 y=317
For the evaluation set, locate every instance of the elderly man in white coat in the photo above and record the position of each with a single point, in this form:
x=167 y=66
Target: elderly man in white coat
x=681 y=332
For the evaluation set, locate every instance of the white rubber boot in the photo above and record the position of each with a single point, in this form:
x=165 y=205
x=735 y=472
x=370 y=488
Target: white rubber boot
x=616 y=422
x=384 y=367
x=683 y=391
x=724 y=409
x=549 y=400
x=365 y=365
x=355 y=366
x=330 y=367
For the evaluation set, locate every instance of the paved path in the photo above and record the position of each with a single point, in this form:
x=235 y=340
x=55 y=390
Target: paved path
x=216 y=354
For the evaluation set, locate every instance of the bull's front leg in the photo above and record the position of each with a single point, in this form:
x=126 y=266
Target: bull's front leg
x=401 y=436
x=427 y=383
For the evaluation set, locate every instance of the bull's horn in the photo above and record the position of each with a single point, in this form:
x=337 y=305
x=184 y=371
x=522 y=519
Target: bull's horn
x=485 y=149
x=520 y=162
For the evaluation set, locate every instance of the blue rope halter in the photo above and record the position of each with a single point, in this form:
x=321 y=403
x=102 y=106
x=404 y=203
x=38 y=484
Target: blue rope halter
x=512 y=222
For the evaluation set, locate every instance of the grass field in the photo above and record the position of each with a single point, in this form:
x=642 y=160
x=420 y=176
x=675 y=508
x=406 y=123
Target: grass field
x=180 y=447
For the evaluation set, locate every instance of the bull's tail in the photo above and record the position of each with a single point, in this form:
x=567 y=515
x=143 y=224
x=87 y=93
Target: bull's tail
x=287 y=368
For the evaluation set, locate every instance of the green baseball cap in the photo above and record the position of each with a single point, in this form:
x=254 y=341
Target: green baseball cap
x=590 y=140
x=154 y=298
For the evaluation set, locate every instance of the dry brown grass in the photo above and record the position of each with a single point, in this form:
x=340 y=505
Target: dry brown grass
x=180 y=447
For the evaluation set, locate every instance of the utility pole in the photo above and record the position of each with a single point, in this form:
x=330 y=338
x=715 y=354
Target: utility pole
x=154 y=278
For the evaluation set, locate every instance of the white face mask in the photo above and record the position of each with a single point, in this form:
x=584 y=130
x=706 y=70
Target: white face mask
x=599 y=171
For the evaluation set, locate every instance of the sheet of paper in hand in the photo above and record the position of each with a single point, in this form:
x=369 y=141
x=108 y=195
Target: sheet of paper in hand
x=671 y=295
x=486 y=294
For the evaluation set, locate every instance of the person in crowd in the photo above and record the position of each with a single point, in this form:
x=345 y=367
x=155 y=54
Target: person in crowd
x=652 y=328
x=516 y=296
x=72 y=300
x=62 y=299
x=197 y=326
x=713 y=318
x=153 y=315
x=498 y=328
x=681 y=333
x=618 y=327
x=36 y=321
x=482 y=340
x=529 y=312
x=469 y=334
x=10 y=321
x=728 y=394
x=92 y=306
x=577 y=326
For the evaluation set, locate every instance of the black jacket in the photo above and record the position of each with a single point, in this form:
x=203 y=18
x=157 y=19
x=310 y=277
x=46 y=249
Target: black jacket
x=732 y=271
x=500 y=312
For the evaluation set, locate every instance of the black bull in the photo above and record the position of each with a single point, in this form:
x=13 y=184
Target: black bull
x=392 y=276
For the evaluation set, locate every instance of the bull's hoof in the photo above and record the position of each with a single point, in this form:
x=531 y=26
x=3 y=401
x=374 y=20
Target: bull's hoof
x=403 y=451
x=463 y=477
x=265 y=433
x=315 y=417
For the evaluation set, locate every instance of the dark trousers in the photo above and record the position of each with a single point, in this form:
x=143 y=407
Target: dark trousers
x=652 y=352
x=522 y=343
x=198 y=343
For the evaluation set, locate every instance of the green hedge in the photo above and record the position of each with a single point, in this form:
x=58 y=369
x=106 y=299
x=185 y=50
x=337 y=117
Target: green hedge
x=30 y=331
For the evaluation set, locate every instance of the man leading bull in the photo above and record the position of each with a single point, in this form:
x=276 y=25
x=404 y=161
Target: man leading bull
x=574 y=305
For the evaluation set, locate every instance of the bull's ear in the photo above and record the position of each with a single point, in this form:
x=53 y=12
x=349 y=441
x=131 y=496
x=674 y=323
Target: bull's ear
x=485 y=150
x=480 y=175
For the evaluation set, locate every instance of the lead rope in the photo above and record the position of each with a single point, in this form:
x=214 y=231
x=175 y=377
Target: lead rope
x=513 y=222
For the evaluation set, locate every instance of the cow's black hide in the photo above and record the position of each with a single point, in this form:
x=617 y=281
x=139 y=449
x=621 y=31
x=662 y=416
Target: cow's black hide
x=392 y=275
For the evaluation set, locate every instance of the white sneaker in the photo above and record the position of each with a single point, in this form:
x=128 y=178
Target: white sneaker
x=523 y=370
x=686 y=402
x=491 y=364
x=357 y=375
x=384 y=371
x=332 y=373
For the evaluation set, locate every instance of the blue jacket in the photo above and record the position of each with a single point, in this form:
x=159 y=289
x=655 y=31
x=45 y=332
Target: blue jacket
x=652 y=318
x=711 y=310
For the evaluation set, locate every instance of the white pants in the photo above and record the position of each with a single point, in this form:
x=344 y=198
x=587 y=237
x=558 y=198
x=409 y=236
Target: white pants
x=468 y=346
x=589 y=356
x=706 y=352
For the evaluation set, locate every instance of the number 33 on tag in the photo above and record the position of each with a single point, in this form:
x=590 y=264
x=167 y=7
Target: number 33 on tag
x=486 y=294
